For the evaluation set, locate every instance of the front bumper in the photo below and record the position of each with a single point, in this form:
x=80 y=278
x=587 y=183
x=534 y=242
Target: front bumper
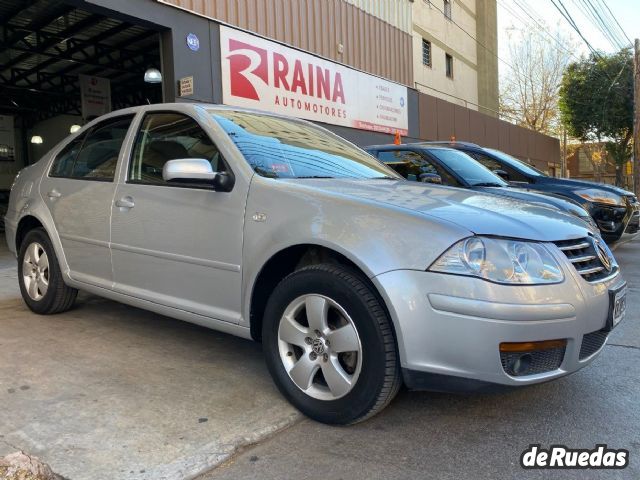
x=617 y=224
x=449 y=328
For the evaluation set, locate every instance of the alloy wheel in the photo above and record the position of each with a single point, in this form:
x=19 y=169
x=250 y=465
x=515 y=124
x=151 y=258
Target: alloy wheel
x=35 y=271
x=320 y=347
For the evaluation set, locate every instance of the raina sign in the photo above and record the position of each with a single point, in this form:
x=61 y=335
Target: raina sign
x=258 y=73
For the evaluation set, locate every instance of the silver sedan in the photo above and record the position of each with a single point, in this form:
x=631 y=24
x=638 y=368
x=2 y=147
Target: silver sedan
x=275 y=229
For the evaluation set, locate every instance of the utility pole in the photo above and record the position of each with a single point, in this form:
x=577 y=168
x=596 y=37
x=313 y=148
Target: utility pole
x=636 y=117
x=563 y=164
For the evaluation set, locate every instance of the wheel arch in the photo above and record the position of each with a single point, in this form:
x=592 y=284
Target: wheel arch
x=31 y=220
x=25 y=225
x=287 y=261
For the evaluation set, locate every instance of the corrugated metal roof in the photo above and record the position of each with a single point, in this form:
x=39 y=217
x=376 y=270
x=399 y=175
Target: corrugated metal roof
x=46 y=44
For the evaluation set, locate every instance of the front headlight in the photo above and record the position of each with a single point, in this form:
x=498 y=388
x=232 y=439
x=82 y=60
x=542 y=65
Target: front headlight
x=501 y=261
x=596 y=195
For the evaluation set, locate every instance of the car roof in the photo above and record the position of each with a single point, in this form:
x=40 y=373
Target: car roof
x=203 y=105
x=392 y=146
x=452 y=144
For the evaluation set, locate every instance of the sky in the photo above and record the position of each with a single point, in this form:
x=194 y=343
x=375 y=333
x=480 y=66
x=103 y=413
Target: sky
x=512 y=17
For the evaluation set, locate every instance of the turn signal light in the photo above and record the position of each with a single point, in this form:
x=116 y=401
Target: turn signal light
x=532 y=346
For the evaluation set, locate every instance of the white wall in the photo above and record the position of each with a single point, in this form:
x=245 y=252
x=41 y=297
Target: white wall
x=446 y=37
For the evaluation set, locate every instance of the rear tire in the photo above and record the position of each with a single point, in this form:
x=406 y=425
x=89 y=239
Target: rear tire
x=41 y=283
x=329 y=345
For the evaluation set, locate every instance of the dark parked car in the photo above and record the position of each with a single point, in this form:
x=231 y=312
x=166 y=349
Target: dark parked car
x=615 y=210
x=446 y=166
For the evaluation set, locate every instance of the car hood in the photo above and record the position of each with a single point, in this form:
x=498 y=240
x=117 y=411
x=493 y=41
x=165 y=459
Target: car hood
x=480 y=213
x=537 y=197
x=581 y=184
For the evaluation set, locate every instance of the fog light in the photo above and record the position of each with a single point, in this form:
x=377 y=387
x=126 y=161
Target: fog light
x=520 y=364
x=607 y=226
x=529 y=358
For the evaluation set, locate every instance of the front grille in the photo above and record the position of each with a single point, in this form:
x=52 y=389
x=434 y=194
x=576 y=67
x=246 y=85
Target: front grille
x=592 y=342
x=634 y=224
x=583 y=255
x=541 y=361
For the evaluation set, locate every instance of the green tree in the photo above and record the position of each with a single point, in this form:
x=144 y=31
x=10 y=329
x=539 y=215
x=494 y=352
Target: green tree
x=596 y=103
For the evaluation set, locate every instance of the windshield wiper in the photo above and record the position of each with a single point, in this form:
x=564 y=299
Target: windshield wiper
x=383 y=178
x=487 y=184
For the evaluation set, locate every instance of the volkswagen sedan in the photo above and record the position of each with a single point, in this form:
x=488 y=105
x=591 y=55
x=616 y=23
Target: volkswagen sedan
x=275 y=229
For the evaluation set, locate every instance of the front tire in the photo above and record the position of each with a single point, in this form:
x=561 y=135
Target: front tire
x=330 y=346
x=40 y=277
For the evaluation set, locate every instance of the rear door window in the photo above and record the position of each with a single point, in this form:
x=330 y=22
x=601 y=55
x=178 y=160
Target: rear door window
x=493 y=165
x=94 y=156
x=411 y=165
x=63 y=164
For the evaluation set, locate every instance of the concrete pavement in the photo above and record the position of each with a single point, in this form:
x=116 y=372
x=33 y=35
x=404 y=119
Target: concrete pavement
x=437 y=436
x=106 y=391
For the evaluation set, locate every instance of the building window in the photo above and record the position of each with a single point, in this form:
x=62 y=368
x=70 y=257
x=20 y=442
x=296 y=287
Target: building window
x=449 y=63
x=426 y=52
x=447 y=9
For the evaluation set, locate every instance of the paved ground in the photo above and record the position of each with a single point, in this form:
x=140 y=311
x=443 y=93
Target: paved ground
x=107 y=391
x=111 y=392
x=423 y=435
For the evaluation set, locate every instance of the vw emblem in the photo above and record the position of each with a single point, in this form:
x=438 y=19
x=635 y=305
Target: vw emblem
x=603 y=255
x=317 y=346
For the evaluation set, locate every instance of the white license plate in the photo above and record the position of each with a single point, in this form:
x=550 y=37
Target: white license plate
x=619 y=306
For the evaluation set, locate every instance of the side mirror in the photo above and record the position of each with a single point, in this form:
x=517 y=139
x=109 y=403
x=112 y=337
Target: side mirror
x=502 y=174
x=196 y=171
x=430 y=178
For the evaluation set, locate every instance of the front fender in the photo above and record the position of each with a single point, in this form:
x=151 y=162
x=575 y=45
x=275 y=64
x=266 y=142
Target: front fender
x=375 y=237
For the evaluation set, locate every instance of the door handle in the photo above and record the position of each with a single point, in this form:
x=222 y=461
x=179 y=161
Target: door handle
x=125 y=202
x=54 y=194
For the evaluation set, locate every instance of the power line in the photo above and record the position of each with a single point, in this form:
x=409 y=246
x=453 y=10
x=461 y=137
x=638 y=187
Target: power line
x=472 y=37
x=593 y=15
x=562 y=46
x=567 y=16
x=610 y=22
x=616 y=21
x=521 y=4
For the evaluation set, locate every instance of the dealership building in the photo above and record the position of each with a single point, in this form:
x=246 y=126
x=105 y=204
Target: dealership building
x=366 y=69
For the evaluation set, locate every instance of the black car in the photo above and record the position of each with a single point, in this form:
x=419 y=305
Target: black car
x=446 y=166
x=615 y=210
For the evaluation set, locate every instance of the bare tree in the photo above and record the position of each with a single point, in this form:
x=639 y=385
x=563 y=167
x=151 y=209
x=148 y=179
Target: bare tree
x=529 y=90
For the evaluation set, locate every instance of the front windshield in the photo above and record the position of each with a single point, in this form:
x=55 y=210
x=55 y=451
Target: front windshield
x=279 y=147
x=528 y=169
x=467 y=168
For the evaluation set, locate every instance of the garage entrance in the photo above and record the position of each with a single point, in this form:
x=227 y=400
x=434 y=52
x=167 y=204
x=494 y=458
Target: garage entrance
x=46 y=47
